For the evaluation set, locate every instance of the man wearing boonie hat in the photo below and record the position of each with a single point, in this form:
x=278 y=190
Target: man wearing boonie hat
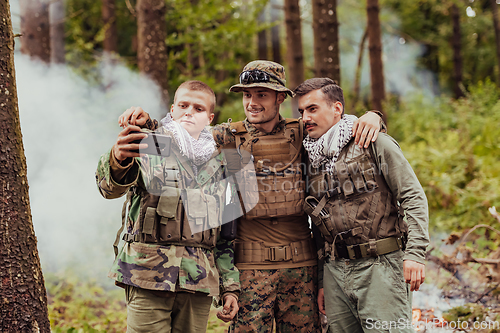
x=273 y=247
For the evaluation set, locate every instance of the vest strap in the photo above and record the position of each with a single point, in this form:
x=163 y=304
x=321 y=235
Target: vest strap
x=256 y=252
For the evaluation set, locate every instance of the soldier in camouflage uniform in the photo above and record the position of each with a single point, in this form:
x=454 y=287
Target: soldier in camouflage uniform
x=273 y=248
x=170 y=268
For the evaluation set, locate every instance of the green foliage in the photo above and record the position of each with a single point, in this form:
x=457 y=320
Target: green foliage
x=454 y=148
x=206 y=40
x=429 y=23
x=468 y=312
x=83 y=306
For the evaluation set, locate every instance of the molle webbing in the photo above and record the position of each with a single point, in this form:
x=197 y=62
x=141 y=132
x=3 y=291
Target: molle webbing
x=277 y=159
x=257 y=252
x=355 y=197
x=167 y=209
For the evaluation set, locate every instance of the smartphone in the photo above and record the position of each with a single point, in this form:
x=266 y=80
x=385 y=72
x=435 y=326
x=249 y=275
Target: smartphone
x=157 y=145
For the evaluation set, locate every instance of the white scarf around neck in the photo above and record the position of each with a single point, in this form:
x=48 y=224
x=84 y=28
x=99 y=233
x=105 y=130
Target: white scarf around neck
x=198 y=151
x=326 y=149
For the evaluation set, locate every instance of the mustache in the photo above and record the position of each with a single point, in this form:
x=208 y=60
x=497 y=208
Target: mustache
x=310 y=123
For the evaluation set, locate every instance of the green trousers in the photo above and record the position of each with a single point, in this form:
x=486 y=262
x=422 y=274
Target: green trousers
x=181 y=313
x=367 y=295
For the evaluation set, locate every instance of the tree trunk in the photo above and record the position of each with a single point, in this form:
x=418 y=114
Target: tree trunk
x=262 y=37
x=151 y=46
x=375 y=51
x=109 y=19
x=275 y=32
x=35 y=29
x=326 y=39
x=56 y=15
x=23 y=305
x=357 y=76
x=295 y=56
x=193 y=51
x=496 y=24
x=456 y=42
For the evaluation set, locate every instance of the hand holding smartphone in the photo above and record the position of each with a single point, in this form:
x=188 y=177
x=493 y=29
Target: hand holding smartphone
x=157 y=144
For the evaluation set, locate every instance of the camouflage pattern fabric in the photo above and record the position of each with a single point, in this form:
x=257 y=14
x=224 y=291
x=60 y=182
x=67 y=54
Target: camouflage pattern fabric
x=286 y=295
x=172 y=267
x=276 y=70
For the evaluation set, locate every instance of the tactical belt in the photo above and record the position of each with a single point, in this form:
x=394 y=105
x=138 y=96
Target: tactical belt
x=137 y=239
x=371 y=249
x=256 y=252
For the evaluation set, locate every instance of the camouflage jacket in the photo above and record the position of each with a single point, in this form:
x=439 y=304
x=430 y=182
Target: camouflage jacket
x=165 y=267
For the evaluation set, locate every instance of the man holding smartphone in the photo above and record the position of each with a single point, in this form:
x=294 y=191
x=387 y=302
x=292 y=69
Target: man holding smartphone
x=173 y=260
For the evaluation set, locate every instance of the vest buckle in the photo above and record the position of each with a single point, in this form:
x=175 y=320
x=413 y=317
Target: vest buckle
x=278 y=253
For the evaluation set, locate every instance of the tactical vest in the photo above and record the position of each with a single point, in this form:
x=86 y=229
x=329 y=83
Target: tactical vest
x=357 y=204
x=277 y=161
x=173 y=196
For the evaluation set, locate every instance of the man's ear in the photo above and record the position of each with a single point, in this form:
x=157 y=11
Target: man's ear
x=280 y=98
x=211 y=117
x=338 y=108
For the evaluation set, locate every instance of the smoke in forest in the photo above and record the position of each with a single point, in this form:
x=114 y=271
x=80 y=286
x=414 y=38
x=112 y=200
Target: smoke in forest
x=67 y=123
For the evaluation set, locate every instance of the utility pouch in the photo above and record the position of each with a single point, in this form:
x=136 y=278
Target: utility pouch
x=196 y=207
x=320 y=217
x=169 y=210
x=200 y=209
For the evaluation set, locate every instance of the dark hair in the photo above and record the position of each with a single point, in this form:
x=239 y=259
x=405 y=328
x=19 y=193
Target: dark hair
x=198 y=86
x=333 y=93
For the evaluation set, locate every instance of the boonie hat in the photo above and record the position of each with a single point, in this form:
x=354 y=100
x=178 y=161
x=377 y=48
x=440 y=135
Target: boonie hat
x=263 y=73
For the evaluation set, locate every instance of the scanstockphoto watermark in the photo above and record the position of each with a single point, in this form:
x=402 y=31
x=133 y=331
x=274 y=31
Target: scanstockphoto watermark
x=402 y=323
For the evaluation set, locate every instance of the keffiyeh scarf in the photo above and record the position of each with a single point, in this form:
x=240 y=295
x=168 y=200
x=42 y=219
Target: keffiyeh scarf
x=198 y=151
x=326 y=149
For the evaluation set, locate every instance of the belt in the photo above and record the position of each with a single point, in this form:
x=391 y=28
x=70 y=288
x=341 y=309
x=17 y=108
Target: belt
x=257 y=252
x=371 y=249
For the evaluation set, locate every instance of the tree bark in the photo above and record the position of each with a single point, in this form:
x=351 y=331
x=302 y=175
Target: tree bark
x=109 y=19
x=262 y=37
x=56 y=15
x=375 y=51
x=151 y=46
x=295 y=55
x=275 y=32
x=35 y=29
x=456 y=42
x=23 y=305
x=357 y=76
x=326 y=39
x=496 y=24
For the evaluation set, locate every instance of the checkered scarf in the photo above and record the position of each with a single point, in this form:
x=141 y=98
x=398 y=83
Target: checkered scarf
x=198 y=151
x=326 y=149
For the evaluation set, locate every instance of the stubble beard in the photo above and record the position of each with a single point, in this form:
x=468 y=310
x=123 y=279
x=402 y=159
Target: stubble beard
x=266 y=119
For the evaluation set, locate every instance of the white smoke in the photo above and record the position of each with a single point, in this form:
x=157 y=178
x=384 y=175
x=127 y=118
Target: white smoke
x=67 y=124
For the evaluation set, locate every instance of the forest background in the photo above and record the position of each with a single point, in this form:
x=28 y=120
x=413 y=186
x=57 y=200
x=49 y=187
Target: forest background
x=80 y=67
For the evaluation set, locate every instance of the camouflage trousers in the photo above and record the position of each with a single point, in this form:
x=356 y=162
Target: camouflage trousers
x=287 y=296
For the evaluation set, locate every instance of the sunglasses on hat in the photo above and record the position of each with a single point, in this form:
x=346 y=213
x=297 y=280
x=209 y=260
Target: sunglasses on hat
x=256 y=76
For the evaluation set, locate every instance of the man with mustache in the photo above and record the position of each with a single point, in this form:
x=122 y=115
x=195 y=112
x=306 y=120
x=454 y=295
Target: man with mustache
x=373 y=258
x=273 y=248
